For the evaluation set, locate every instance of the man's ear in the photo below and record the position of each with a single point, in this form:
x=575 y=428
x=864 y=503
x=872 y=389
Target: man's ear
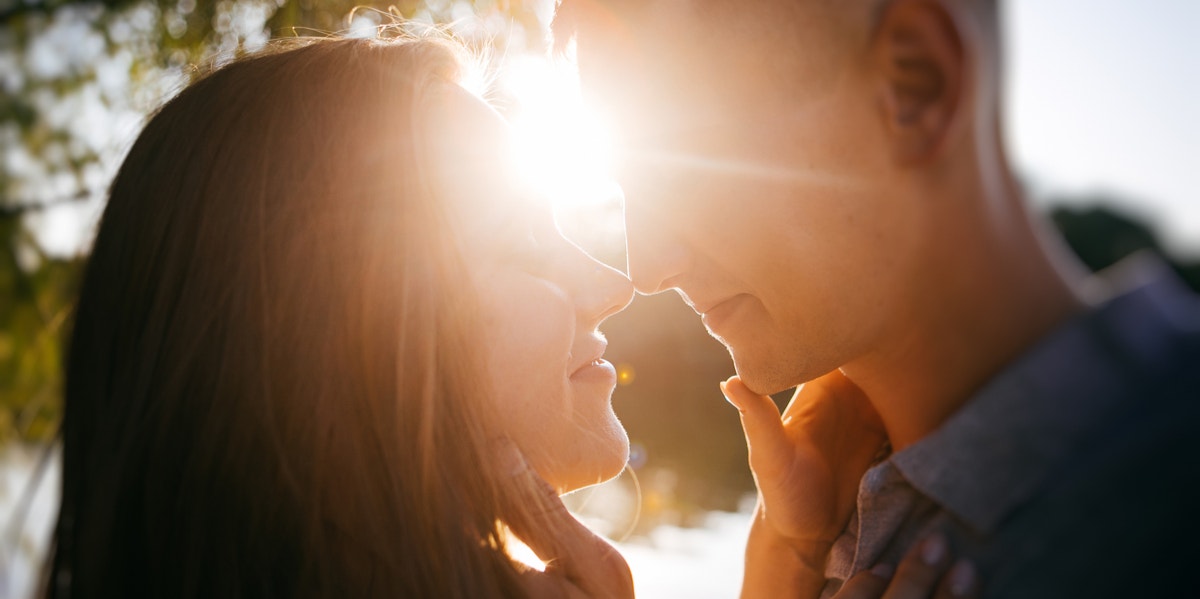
x=922 y=72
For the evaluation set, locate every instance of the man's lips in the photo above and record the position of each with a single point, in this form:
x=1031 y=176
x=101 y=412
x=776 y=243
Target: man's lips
x=716 y=312
x=703 y=308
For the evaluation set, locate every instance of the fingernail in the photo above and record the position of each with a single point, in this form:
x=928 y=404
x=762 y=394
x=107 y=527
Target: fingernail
x=725 y=392
x=884 y=571
x=934 y=549
x=962 y=578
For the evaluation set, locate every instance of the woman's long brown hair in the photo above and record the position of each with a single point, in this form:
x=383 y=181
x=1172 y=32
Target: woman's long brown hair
x=269 y=391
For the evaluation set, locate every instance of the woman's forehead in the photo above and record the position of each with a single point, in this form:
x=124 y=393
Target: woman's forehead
x=463 y=123
x=473 y=161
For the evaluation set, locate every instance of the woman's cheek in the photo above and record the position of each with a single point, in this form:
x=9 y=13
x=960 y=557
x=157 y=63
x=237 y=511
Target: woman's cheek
x=529 y=336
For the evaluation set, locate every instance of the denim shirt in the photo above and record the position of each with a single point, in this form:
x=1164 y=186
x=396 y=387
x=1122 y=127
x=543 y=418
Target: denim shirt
x=1027 y=431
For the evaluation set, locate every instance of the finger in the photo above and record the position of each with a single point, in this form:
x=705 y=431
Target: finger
x=766 y=440
x=541 y=585
x=839 y=392
x=839 y=418
x=921 y=569
x=961 y=582
x=868 y=584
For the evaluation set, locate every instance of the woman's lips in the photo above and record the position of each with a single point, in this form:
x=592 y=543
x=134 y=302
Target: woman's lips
x=597 y=368
x=596 y=371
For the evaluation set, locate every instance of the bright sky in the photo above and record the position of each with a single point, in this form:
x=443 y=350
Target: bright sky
x=1104 y=95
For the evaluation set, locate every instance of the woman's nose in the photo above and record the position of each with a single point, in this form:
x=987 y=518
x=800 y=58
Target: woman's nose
x=604 y=291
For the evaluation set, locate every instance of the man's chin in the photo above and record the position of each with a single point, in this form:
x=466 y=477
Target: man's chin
x=767 y=371
x=762 y=378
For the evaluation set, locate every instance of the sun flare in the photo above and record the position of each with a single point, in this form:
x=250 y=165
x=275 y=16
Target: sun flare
x=562 y=148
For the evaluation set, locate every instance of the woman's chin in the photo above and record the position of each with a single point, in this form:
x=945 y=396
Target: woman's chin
x=601 y=465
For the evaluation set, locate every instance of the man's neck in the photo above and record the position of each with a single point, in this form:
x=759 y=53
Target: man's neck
x=988 y=299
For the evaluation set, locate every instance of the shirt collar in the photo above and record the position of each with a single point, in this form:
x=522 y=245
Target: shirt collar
x=1022 y=427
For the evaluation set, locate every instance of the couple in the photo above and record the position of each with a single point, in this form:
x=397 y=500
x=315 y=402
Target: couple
x=327 y=345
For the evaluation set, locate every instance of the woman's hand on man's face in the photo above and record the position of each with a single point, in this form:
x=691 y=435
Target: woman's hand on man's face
x=579 y=564
x=808 y=462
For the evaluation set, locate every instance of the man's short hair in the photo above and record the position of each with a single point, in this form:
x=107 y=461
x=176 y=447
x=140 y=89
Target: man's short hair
x=573 y=16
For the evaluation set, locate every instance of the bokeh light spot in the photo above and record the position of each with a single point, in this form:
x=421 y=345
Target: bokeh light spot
x=625 y=374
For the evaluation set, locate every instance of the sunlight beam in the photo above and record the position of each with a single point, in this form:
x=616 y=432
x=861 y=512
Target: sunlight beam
x=563 y=149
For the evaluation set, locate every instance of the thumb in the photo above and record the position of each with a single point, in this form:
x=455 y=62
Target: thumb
x=767 y=442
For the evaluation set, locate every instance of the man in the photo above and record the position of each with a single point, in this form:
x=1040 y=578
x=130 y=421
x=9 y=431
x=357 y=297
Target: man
x=825 y=183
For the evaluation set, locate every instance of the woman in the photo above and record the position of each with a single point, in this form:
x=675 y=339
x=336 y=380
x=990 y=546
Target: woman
x=326 y=346
x=274 y=377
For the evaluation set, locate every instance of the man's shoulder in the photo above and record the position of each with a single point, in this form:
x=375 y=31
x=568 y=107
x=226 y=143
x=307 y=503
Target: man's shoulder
x=1073 y=473
x=1119 y=519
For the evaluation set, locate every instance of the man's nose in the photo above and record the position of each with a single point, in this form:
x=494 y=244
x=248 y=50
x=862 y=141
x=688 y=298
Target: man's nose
x=656 y=255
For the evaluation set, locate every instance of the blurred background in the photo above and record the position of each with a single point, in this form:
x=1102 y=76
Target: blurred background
x=1102 y=100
